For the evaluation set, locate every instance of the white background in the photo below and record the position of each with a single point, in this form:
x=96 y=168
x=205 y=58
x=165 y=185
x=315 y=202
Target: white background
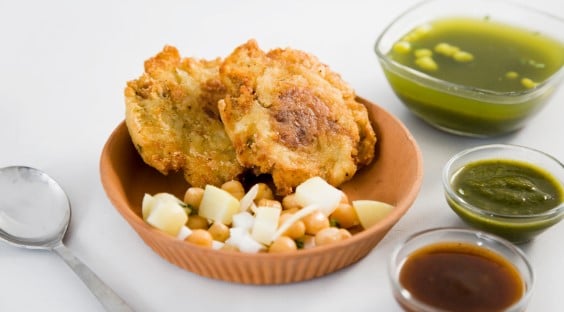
x=63 y=67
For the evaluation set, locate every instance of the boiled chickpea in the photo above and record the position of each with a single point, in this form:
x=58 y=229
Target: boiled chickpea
x=297 y=229
x=345 y=233
x=197 y=222
x=193 y=197
x=290 y=202
x=234 y=188
x=283 y=244
x=269 y=203
x=328 y=236
x=308 y=241
x=315 y=222
x=345 y=215
x=219 y=231
x=200 y=237
x=264 y=191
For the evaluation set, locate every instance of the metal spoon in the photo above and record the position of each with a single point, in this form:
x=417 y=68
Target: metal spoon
x=35 y=213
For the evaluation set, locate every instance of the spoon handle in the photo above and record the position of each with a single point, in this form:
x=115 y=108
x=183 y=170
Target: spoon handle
x=107 y=297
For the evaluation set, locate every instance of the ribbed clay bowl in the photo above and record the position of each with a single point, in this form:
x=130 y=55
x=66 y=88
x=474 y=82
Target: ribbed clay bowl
x=395 y=177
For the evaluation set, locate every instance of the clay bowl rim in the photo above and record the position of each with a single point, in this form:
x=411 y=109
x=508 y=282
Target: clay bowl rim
x=111 y=181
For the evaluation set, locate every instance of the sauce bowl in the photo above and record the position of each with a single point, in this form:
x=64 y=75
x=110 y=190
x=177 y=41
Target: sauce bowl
x=519 y=226
x=456 y=277
x=461 y=108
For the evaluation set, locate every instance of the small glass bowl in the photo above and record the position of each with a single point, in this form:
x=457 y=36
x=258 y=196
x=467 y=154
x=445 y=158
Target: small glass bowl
x=456 y=235
x=462 y=109
x=516 y=228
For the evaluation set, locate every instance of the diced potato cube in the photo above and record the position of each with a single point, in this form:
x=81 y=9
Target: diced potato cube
x=218 y=205
x=265 y=225
x=317 y=191
x=371 y=212
x=168 y=216
x=149 y=202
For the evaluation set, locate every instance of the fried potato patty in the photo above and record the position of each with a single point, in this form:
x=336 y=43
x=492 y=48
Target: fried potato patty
x=290 y=116
x=173 y=120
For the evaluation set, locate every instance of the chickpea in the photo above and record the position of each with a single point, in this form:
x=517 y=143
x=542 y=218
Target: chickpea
x=345 y=215
x=193 y=197
x=315 y=222
x=263 y=202
x=197 y=222
x=328 y=236
x=297 y=229
x=283 y=244
x=264 y=191
x=290 y=202
x=219 y=231
x=234 y=188
x=345 y=233
x=200 y=237
x=308 y=241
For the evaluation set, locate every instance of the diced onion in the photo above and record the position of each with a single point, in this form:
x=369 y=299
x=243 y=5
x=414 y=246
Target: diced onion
x=294 y=218
x=183 y=233
x=248 y=199
x=243 y=220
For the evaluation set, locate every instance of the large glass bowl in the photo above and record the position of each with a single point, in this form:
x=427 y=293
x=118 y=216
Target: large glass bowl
x=462 y=109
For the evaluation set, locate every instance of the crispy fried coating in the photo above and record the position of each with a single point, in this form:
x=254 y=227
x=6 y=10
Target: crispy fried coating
x=290 y=116
x=173 y=120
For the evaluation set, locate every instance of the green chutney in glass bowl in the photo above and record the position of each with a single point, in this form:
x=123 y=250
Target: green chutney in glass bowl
x=477 y=68
x=512 y=191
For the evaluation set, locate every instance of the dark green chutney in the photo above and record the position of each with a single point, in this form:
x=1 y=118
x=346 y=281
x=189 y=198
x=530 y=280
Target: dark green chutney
x=483 y=54
x=514 y=192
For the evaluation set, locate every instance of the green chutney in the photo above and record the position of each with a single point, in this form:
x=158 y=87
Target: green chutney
x=507 y=187
x=481 y=53
x=513 y=191
x=497 y=64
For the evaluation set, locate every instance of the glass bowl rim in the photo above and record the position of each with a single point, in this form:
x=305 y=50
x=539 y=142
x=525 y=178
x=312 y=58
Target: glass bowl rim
x=446 y=177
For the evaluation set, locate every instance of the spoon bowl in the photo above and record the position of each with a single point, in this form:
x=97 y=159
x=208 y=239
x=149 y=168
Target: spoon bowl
x=35 y=213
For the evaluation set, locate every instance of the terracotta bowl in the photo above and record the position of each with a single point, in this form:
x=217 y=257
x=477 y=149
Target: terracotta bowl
x=394 y=177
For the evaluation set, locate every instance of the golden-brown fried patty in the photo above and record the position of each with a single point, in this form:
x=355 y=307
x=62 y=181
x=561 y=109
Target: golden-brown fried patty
x=289 y=115
x=173 y=120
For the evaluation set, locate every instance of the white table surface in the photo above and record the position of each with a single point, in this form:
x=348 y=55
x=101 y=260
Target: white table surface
x=63 y=67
